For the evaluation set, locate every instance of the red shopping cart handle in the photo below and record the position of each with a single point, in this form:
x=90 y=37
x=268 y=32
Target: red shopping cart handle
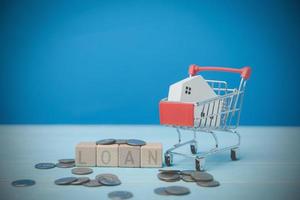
x=245 y=71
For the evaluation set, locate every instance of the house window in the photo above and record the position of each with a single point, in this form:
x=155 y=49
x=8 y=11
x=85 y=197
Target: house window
x=188 y=90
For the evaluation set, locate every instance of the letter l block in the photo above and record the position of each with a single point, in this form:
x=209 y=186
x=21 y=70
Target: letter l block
x=85 y=154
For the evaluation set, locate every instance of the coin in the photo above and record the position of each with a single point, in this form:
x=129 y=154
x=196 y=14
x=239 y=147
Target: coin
x=187 y=172
x=202 y=176
x=120 y=195
x=82 y=170
x=169 y=177
x=81 y=180
x=135 y=142
x=108 y=179
x=65 y=180
x=66 y=161
x=65 y=165
x=92 y=183
x=170 y=171
x=187 y=178
x=177 y=190
x=106 y=141
x=161 y=191
x=44 y=166
x=23 y=183
x=121 y=141
x=212 y=183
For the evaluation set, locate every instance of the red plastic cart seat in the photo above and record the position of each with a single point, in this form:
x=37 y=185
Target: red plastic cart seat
x=176 y=113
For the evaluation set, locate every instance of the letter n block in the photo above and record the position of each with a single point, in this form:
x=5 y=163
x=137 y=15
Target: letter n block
x=86 y=154
x=129 y=156
x=108 y=155
x=151 y=155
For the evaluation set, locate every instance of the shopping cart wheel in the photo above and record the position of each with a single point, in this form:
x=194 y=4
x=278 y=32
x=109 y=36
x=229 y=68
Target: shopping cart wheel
x=193 y=148
x=168 y=159
x=200 y=164
x=234 y=154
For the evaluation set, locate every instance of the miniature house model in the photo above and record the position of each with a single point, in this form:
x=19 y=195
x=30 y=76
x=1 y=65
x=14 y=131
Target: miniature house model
x=192 y=89
x=196 y=89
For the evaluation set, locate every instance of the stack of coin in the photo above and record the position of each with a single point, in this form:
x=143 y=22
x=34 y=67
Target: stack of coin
x=92 y=183
x=169 y=175
x=81 y=181
x=108 y=179
x=172 y=190
x=85 y=181
x=106 y=142
x=82 y=170
x=77 y=181
x=132 y=142
x=66 y=163
x=65 y=180
x=100 y=180
x=203 y=179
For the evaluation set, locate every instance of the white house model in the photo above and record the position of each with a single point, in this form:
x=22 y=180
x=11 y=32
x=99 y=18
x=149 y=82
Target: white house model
x=192 y=89
x=196 y=89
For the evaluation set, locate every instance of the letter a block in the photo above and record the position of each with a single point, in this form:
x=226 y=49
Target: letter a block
x=129 y=156
x=108 y=155
x=86 y=154
x=151 y=155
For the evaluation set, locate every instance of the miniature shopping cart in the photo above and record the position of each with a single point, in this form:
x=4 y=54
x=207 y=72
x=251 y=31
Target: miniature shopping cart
x=225 y=109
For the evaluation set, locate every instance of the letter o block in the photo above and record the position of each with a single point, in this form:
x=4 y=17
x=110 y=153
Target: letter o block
x=129 y=156
x=108 y=155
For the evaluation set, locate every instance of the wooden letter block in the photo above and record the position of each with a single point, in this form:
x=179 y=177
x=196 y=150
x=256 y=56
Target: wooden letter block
x=86 y=154
x=108 y=155
x=129 y=156
x=151 y=155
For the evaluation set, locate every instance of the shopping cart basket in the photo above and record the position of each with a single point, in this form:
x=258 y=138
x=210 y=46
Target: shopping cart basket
x=190 y=116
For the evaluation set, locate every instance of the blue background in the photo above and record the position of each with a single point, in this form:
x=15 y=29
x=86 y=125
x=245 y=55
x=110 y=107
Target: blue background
x=112 y=61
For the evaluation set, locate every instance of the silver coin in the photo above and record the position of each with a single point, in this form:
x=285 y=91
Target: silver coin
x=161 y=191
x=119 y=195
x=135 y=142
x=44 y=166
x=121 y=141
x=65 y=165
x=187 y=172
x=106 y=141
x=187 y=178
x=65 y=180
x=92 y=183
x=169 y=177
x=66 y=161
x=82 y=170
x=81 y=180
x=202 y=176
x=108 y=179
x=177 y=190
x=23 y=183
x=170 y=171
x=212 y=183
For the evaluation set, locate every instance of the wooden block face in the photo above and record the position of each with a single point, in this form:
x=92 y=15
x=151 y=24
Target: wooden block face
x=86 y=154
x=151 y=155
x=129 y=156
x=108 y=155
